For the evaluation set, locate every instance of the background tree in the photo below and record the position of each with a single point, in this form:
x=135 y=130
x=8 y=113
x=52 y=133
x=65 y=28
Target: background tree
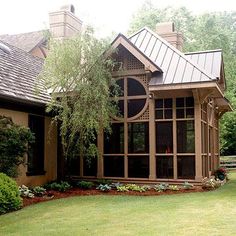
x=79 y=77
x=202 y=32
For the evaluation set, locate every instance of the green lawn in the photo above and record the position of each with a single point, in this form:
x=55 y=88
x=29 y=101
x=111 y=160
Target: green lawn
x=228 y=158
x=209 y=213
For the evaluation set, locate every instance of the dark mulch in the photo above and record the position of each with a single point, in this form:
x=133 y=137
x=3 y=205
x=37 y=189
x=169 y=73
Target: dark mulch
x=80 y=192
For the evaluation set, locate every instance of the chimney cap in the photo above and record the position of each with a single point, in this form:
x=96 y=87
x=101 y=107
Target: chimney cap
x=165 y=27
x=69 y=8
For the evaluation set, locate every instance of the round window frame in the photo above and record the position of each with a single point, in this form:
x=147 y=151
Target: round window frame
x=125 y=99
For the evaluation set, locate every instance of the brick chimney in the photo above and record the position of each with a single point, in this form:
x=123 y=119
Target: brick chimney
x=167 y=31
x=64 y=23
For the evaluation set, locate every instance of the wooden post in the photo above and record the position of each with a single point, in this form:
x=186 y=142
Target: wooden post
x=100 y=157
x=197 y=127
x=152 y=140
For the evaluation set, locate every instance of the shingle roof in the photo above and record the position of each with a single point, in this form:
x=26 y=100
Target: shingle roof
x=18 y=76
x=209 y=60
x=176 y=67
x=26 y=41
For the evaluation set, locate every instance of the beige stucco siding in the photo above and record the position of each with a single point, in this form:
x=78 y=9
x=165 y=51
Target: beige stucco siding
x=50 y=151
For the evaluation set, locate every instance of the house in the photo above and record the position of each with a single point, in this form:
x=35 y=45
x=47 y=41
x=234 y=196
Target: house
x=170 y=106
x=24 y=100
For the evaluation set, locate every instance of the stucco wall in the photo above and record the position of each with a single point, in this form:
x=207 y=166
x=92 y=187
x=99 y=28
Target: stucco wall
x=50 y=151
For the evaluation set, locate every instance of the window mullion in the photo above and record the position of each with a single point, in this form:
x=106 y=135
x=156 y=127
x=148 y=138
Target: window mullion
x=174 y=139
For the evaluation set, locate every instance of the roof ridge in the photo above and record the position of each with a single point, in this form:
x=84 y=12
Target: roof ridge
x=28 y=54
x=204 y=51
x=181 y=54
x=133 y=34
x=23 y=33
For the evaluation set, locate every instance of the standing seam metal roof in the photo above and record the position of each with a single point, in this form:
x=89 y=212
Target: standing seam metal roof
x=176 y=67
x=210 y=60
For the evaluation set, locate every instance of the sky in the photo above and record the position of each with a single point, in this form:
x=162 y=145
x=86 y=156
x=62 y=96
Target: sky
x=106 y=16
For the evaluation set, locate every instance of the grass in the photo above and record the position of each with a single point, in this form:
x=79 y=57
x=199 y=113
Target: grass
x=228 y=158
x=208 y=213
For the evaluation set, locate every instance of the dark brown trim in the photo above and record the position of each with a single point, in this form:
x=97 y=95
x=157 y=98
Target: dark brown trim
x=17 y=104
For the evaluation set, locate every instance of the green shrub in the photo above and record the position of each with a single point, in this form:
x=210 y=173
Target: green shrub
x=10 y=199
x=15 y=141
x=25 y=192
x=104 y=181
x=104 y=187
x=62 y=186
x=187 y=185
x=116 y=185
x=146 y=187
x=85 y=184
x=122 y=189
x=135 y=187
x=174 y=188
x=39 y=191
x=210 y=183
x=221 y=173
x=161 y=187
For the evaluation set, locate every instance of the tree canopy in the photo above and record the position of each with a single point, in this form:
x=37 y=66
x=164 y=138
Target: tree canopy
x=79 y=77
x=202 y=32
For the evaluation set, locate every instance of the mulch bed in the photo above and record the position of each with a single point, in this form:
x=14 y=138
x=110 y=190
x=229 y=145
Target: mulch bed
x=80 y=192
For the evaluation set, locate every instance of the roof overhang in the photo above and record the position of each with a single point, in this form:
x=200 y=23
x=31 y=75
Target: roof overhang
x=193 y=85
x=223 y=105
x=122 y=40
x=18 y=104
x=205 y=89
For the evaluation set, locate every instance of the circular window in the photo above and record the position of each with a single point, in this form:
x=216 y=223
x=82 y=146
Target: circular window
x=132 y=98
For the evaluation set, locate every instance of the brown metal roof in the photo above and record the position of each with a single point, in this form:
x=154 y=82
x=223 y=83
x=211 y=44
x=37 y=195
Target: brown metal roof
x=18 y=75
x=211 y=60
x=25 y=41
x=177 y=68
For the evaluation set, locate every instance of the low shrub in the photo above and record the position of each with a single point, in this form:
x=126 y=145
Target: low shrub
x=146 y=187
x=210 y=183
x=104 y=187
x=25 y=192
x=39 y=191
x=85 y=184
x=135 y=187
x=161 y=187
x=116 y=185
x=10 y=199
x=187 y=185
x=174 y=188
x=221 y=173
x=122 y=189
x=104 y=181
x=62 y=186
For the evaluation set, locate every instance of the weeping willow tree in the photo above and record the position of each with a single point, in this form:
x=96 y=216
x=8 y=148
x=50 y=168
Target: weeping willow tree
x=78 y=76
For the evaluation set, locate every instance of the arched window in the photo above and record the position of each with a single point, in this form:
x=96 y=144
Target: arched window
x=132 y=98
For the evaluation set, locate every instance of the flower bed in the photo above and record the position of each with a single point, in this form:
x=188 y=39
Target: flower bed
x=80 y=192
x=56 y=190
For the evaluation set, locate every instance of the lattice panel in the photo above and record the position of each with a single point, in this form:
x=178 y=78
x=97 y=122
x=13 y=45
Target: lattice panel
x=145 y=115
x=144 y=79
x=133 y=63
x=119 y=62
x=119 y=58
